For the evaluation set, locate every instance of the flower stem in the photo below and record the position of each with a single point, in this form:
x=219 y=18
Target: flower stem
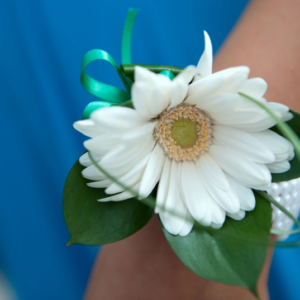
x=128 y=69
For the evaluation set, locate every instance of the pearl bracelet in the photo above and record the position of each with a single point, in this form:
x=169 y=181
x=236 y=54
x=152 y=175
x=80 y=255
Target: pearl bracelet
x=287 y=193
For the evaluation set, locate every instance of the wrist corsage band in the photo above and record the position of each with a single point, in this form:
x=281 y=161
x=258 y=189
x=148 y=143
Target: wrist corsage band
x=199 y=149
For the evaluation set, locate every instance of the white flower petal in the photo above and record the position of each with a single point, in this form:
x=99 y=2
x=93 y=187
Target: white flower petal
x=129 y=179
x=120 y=197
x=226 y=103
x=243 y=142
x=215 y=142
x=169 y=222
x=291 y=151
x=134 y=136
x=261 y=125
x=235 y=82
x=92 y=173
x=278 y=107
x=231 y=109
x=102 y=143
x=229 y=104
x=153 y=171
x=150 y=93
x=279 y=167
x=254 y=87
x=213 y=172
x=160 y=96
x=186 y=75
x=163 y=186
x=99 y=184
x=242 y=169
x=216 y=226
x=115 y=118
x=114 y=188
x=179 y=90
x=143 y=75
x=207 y=219
x=218 y=213
x=188 y=225
x=204 y=67
x=194 y=193
x=287 y=116
x=175 y=213
x=214 y=84
x=119 y=167
x=88 y=128
x=121 y=153
x=175 y=222
x=276 y=143
x=238 y=216
x=173 y=187
x=141 y=94
x=226 y=199
x=85 y=160
x=203 y=88
x=245 y=194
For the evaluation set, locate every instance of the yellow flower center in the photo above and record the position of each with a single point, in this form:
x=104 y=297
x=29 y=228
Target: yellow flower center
x=183 y=132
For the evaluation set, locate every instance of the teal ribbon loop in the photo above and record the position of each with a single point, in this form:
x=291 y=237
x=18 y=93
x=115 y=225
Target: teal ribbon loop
x=99 y=89
x=109 y=94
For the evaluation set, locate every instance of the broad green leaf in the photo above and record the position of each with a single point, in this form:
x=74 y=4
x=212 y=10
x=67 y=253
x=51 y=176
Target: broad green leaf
x=96 y=223
x=234 y=254
x=294 y=171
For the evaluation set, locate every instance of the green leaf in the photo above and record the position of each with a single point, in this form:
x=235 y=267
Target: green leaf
x=96 y=223
x=233 y=254
x=294 y=171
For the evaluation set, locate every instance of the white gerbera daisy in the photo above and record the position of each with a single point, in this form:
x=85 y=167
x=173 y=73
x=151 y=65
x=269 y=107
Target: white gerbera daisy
x=205 y=144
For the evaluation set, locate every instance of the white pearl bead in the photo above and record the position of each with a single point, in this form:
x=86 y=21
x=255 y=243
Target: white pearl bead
x=294 y=184
x=274 y=190
x=284 y=187
x=295 y=195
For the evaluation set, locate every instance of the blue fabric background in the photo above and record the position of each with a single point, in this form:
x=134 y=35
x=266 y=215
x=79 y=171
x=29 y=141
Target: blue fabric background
x=42 y=43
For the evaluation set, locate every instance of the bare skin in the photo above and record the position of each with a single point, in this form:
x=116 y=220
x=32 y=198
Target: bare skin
x=144 y=266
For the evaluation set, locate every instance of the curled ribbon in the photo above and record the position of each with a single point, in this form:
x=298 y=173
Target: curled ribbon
x=111 y=95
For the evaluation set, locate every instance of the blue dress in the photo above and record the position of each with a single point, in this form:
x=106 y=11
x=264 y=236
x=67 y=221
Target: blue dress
x=42 y=43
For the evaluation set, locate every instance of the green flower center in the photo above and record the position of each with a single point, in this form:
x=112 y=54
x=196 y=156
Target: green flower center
x=184 y=133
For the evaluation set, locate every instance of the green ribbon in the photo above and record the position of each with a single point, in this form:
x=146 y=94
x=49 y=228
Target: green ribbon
x=109 y=95
x=127 y=35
